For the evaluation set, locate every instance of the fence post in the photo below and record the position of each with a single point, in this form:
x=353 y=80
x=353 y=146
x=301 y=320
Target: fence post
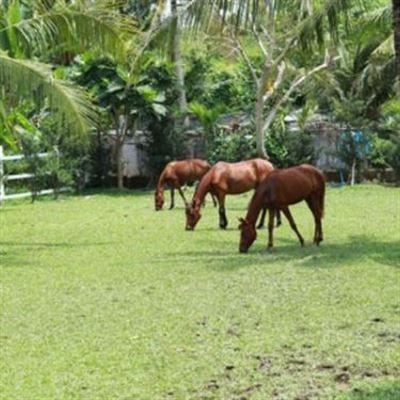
x=2 y=193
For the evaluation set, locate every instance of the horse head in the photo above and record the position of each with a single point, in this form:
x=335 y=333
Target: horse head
x=193 y=216
x=159 y=200
x=247 y=236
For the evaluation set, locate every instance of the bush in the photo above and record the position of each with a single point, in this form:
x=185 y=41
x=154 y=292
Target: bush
x=287 y=149
x=394 y=156
x=231 y=146
x=381 y=152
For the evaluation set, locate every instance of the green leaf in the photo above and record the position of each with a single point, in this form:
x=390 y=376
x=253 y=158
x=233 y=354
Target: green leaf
x=159 y=109
x=71 y=105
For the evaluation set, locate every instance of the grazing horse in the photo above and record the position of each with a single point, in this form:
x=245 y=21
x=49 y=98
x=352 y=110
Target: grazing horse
x=227 y=178
x=175 y=175
x=278 y=191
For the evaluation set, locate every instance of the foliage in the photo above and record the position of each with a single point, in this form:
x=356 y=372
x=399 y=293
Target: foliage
x=143 y=100
x=381 y=152
x=28 y=31
x=230 y=146
x=353 y=148
x=30 y=142
x=37 y=133
x=116 y=301
x=287 y=148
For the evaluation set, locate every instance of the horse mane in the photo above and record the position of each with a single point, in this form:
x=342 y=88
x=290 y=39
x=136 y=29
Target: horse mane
x=202 y=189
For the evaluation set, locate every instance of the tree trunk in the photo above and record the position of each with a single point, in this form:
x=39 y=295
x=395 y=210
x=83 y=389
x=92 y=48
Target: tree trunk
x=176 y=57
x=260 y=133
x=120 y=169
x=353 y=173
x=396 y=23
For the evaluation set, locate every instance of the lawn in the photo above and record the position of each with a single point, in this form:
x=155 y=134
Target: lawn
x=103 y=298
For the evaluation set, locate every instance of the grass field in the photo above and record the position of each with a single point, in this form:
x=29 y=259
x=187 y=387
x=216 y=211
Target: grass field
x=103 y=298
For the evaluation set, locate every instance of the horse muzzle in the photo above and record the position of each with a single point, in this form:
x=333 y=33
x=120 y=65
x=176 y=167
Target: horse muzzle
x=243 y=249
x=189 y=228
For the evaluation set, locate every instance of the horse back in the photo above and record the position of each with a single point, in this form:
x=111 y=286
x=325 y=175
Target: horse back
x=292 y=185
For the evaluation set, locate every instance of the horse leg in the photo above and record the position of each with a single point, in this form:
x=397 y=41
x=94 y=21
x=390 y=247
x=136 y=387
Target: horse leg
x=313 y=205
x=289 y=217
x=262 y=219
x=214 y=200
x=182 y=195
x=271 y=215
x=278 y=218
x=223 y=222
x=172 y=199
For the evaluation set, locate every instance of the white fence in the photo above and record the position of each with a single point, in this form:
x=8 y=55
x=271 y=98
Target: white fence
x=6 y=178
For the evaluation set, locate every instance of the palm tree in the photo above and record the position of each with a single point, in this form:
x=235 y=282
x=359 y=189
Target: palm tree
x=28 y=33
x=176 y=57
x=310 y=22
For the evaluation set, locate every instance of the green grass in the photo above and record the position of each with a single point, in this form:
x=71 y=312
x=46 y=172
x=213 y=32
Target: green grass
x=103 y=298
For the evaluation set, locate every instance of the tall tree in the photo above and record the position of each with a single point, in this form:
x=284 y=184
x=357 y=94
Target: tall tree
x=176 y=57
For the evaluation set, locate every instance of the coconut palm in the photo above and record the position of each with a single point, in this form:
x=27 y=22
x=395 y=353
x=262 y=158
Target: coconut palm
x=283 y=29
x=30 y=30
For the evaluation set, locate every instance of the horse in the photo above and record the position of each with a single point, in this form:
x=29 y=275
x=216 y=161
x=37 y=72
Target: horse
x=175 y=175
x=278 y=191
x=227 y=178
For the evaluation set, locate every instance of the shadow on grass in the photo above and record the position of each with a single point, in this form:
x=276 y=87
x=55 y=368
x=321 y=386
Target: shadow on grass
x=358 y=248
x=388 y=391
x=112 y=192
x=21 y=252
x=50 y=245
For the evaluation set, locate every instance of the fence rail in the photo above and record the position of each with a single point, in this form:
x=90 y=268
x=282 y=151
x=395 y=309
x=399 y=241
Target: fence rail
x=6 y=178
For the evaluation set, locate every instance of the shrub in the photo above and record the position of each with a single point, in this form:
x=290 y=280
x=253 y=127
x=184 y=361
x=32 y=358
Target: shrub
x=231 y=146
x=381 y=152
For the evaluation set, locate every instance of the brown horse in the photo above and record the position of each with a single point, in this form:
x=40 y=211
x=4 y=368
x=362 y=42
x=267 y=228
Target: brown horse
x=175 y=175
x=279 y=190
x=227 y=178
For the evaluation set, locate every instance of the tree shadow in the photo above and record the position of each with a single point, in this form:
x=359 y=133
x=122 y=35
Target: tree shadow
x=21 y=254
x=113 y=192
x=54 y=244
x=328 y=255
x=387 y=391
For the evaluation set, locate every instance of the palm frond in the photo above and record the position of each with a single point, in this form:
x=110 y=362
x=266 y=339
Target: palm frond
x=29 y=79
x=97 y=26
x=325 y=19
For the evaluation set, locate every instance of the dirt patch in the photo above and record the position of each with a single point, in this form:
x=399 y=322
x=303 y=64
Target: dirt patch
x=232 y=332
x=212 y=385
x=252 y=388
x=264 y=364
x=343 y=378
x=297 y=362
x=325 y=367
x=303 y=396
x=369 y=374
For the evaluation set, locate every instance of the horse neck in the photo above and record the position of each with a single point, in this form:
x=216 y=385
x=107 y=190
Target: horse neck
x=160 y=185
x=255 y=206
x=202 y=190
